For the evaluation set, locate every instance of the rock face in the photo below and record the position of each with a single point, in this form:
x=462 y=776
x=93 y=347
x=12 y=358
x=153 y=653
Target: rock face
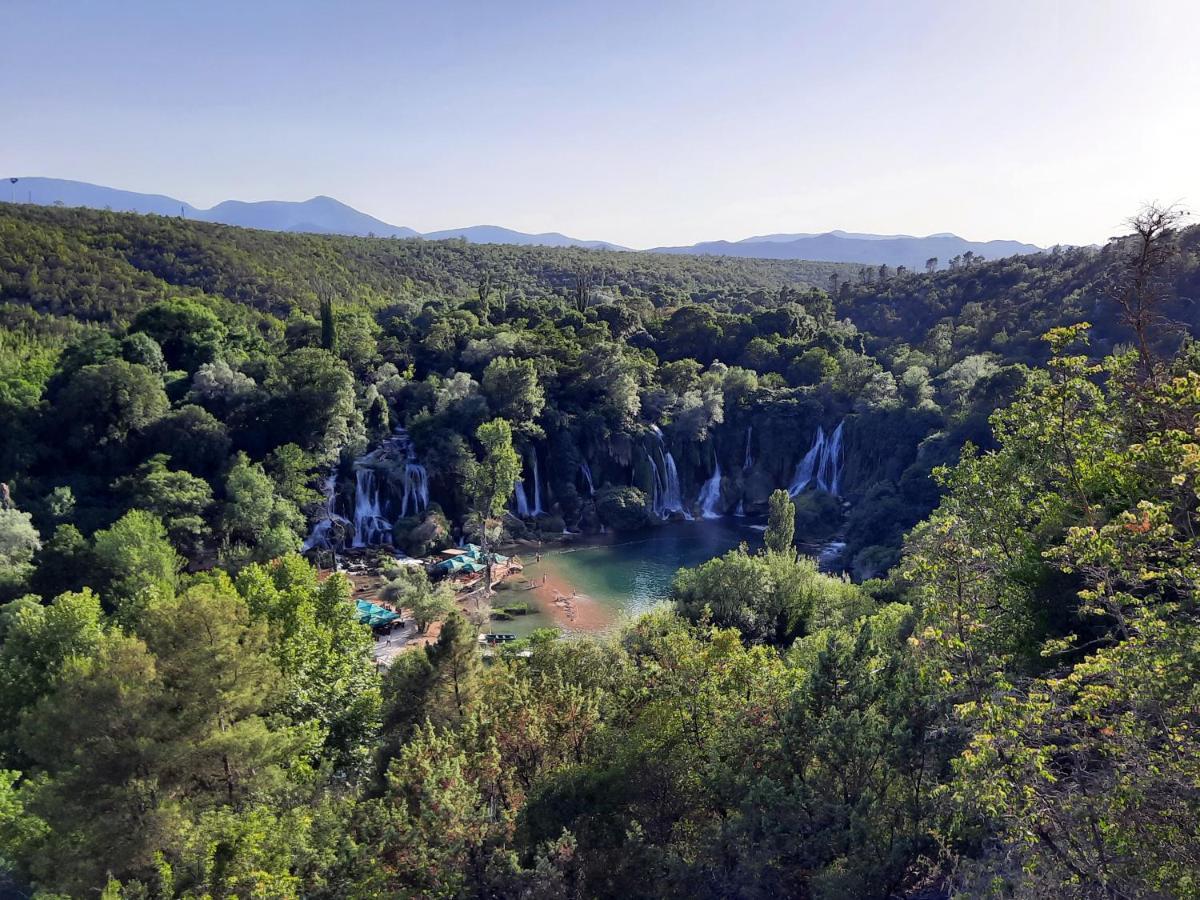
x=431 y=535
x=625 y=482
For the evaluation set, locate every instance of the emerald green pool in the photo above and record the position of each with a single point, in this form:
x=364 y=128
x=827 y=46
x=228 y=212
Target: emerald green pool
x=626 y=574
x=634 y=572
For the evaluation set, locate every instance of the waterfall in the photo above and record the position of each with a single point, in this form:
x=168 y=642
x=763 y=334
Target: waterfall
x=710 y=494
x=521 y=500
x=370 y=526
x=416 y=478
x=829 y=475
x=537 y=488
x=667 y=496
x=740 y=512
x=656 y=488
x=395 y=457
x=749 y=460
x=521 y=496
x=586 y=470
x=672 y=495
x=807 y=467
x=821 y=465
x=416 y=489
x=323 y=535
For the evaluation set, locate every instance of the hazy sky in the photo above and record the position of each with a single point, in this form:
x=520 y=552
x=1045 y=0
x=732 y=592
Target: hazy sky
x=643 y=123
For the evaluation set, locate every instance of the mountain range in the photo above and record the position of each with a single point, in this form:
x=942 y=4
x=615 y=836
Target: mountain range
x=874 y=249
x=325 y=215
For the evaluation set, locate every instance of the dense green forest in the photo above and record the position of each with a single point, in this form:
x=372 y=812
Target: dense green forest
x=999 y=700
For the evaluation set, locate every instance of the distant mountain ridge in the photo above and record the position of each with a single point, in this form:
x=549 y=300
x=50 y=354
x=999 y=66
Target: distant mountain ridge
x=870 y=249
x=322 y=215
x=495 y=234
x=325 y=215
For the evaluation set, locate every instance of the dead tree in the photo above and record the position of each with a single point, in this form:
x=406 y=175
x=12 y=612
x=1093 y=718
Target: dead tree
x=1140 y=281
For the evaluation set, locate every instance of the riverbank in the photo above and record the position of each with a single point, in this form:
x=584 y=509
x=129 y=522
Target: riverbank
x=600 y=581
x=560 y=601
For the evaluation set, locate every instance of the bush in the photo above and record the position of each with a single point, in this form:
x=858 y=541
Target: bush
x=622 y=508
x=818 y=515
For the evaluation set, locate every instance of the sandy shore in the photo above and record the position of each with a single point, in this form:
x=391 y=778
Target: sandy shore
x=556 y=598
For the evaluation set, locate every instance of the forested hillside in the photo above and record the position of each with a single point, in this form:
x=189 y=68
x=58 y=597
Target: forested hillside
x=1000 y=699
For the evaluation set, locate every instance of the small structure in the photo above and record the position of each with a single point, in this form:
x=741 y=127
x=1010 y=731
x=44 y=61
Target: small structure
x=375 y=615
x=495 y=638
x=471 y=560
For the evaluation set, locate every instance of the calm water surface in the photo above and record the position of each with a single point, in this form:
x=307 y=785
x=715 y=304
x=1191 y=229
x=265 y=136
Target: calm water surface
x=630 y=573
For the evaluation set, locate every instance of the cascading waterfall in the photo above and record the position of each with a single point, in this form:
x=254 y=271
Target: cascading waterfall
x=323 y=532
x=667 y=496
x=829 y=474
x=416 y=478
x=740 y=512
x=586 y=471
x=537 y=487
x=416 y=489
x=672 y=494
x=656 y=491
x=710 y=494
x=749 y=460
x=371 y=488
x=807 y=467
x=822 y=464
x=370 y=526
x=521 y=500
x=521 y=496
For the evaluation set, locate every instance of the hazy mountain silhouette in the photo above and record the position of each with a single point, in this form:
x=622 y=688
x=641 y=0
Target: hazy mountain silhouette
x=325 y=215
x=50 y=191
x=874 y=249
x=494 y=234
x=320 y=214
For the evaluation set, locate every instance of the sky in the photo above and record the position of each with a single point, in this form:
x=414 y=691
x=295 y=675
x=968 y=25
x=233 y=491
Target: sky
x=643 y=123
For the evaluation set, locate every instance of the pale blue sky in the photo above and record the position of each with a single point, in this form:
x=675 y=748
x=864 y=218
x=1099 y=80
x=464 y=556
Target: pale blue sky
x=641 y=123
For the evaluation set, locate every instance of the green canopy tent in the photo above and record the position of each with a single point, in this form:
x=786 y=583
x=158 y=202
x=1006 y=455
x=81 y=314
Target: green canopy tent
x=462 y=563
x=374 y=615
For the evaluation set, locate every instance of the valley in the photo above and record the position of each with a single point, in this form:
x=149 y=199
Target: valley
x=770 y=540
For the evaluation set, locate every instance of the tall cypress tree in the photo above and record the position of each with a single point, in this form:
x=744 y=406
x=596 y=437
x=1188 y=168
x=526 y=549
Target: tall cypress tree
x=781 y=523
x=328 y=326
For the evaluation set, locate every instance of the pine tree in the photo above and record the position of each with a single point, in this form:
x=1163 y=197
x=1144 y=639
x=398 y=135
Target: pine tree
x=456 y=665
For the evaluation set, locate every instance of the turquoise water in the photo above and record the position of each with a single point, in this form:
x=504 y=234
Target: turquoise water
x=524 y=625
x=631 y=573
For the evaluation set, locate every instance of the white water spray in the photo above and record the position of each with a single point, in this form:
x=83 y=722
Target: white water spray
x=370 y=526
x=525 y=510
x=325 y=530
x=666 y=497
x=710 y=494
x=821 y=465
